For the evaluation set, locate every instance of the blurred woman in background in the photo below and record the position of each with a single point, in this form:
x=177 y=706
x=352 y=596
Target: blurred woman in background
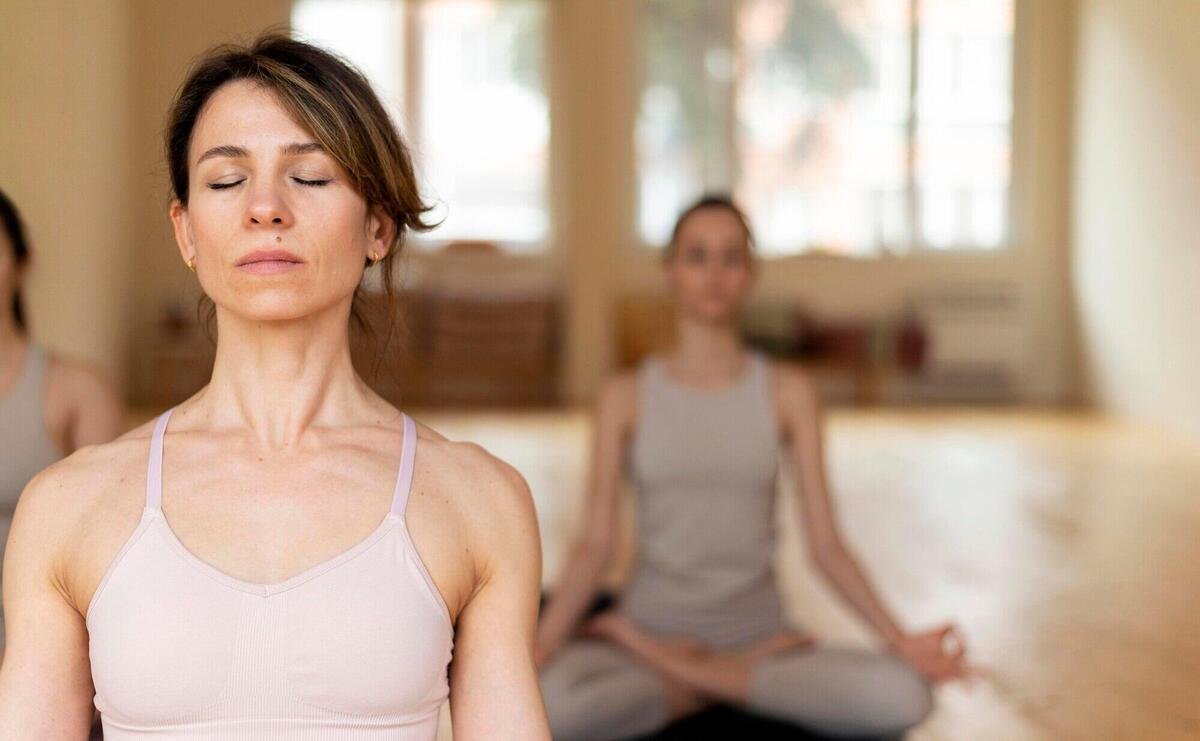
x=49 y=405
x=698 y=429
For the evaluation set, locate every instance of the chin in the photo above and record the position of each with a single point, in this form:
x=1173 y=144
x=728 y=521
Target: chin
x=273 y=308
x=714 y=314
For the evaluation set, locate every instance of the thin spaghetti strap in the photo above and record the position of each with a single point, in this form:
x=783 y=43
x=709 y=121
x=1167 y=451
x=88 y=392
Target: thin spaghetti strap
x=408 y=451
x=154 y=467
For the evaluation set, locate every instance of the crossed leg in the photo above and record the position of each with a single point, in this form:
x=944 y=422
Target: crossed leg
x=843 y=692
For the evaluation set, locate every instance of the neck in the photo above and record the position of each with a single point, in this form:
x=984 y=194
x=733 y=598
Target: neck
x=11 y=338
x=278 y=379
x=707 y=348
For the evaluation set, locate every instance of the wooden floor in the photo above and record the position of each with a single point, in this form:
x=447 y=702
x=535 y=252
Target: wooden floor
x=1066 y=546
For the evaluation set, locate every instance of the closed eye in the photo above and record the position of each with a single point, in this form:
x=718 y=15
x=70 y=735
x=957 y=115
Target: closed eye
x=223 y=186
x=313 y=183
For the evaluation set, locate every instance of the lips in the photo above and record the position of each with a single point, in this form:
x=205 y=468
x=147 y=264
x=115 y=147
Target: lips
x=269 y=256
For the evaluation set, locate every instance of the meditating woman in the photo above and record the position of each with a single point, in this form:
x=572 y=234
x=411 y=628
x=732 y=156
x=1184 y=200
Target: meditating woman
x=296 y=558
x=698 y=429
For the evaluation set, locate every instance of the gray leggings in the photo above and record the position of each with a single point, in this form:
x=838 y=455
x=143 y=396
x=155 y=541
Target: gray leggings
x=594 y=691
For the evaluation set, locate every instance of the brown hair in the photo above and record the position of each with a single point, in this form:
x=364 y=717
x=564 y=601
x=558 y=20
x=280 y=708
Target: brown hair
x=328 y=96
x=709 y=201
x=11 y=221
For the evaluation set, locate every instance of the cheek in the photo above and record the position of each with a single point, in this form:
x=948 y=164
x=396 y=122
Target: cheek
x=740 y=278
x=341 y=244
x=688 y=278
x=210 y=219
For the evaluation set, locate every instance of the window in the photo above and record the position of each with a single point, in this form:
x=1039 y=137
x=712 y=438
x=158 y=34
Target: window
x=853 y=127
x=464 y=80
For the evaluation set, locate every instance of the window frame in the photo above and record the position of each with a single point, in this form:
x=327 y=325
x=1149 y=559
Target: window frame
x=916 y=249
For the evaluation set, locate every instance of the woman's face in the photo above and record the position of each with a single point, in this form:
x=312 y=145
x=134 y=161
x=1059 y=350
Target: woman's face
x=710 y=271
x=259 y=182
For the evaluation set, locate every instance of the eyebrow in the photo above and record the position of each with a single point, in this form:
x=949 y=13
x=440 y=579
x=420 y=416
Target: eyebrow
x=233 y=151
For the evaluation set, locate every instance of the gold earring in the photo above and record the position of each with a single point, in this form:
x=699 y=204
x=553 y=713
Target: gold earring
x=191 y=263
x=374 y=258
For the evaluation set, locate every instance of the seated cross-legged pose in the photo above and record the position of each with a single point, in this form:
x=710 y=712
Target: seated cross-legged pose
x=698 y=429
x=284 y=555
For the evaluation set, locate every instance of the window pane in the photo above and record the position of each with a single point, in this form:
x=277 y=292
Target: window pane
x=822 y=110
x=485 y=128
x=964 y=115
x=802 y=108
x=369 y=33
x=478 y=120
x=684 y=127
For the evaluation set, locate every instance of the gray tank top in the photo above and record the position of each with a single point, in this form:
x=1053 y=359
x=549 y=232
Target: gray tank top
x=25 y=445
x=704 y=465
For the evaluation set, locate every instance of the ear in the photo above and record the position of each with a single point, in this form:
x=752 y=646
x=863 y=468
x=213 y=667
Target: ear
x=381 y=231
x=183 y=230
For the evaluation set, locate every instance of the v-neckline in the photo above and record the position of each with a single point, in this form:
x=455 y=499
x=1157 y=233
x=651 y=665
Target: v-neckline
x=268 y=589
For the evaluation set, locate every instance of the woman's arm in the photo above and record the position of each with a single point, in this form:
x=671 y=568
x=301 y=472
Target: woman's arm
x=801 y=413
x=45 y=678
x=800 y=410
x=494 y=693
x=612 y=421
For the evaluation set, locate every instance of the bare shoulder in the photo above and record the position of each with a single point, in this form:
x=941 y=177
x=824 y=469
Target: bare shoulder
x=789 y=378
x=483 y=489
x=80 y=377
x=617 y=398
x=76 y=509
x=484 y=503
x=619 y=386
x=90 y=476
x=795 y=391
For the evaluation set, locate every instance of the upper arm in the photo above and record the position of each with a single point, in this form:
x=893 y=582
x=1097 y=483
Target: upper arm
x=494 y=691
x=45 y=677
x=800 y=411
x=613 y=416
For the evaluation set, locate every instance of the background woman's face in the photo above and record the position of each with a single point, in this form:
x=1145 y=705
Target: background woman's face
x=710 y=272
x=259 y=181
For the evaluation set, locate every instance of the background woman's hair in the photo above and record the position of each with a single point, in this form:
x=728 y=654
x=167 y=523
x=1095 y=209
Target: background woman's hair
x=707 y=201
x=15 y=231
x=332 y=100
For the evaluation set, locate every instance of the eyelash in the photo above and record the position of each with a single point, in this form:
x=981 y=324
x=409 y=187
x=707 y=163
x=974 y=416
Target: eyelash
x=301 y=181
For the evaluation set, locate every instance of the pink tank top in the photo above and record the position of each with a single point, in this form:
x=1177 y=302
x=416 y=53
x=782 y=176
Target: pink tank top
x=355 y=648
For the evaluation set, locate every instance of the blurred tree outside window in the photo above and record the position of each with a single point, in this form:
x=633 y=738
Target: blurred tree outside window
x=852 y=127
x=464 y=80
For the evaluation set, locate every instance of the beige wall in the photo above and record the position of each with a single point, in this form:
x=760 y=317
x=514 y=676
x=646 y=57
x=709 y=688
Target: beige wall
x=140 y=50
x=64 y=159
x=1137 y=206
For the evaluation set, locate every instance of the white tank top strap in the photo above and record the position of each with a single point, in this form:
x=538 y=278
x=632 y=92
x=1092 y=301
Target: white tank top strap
x=408 y=452
x=154 y=467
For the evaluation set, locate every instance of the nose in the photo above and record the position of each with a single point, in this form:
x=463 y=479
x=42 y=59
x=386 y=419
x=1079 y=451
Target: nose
x=267 y=207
